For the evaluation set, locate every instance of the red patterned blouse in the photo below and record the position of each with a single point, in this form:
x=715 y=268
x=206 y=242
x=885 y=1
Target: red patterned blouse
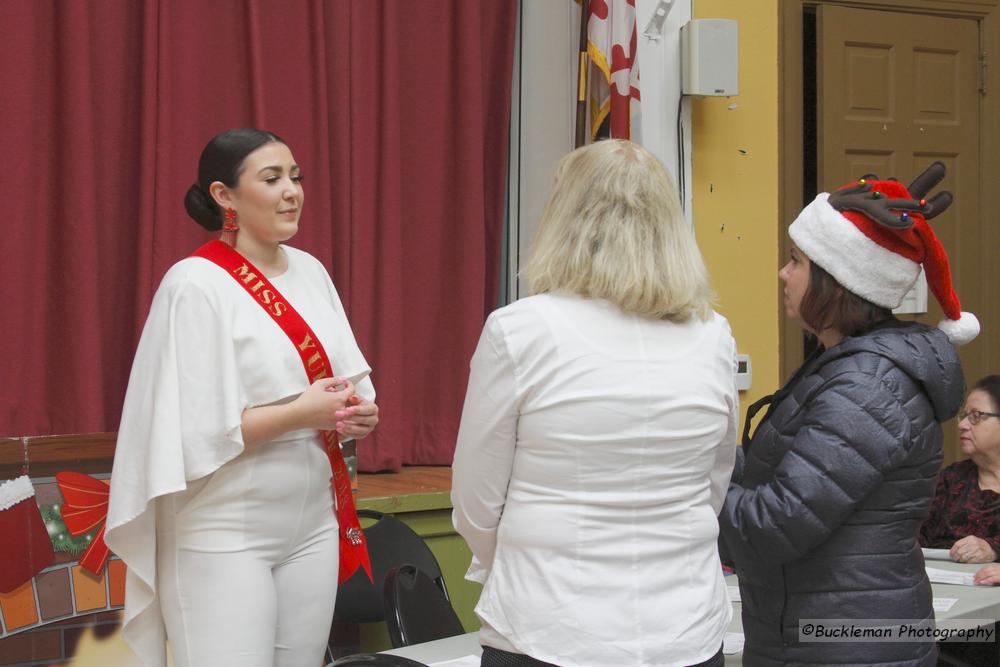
x=961 y=508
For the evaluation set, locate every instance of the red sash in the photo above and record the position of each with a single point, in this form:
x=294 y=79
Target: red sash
x=353 y=548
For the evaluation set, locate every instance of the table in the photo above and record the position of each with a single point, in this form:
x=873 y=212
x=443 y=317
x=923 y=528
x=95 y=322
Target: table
x=441 y=649
x=973 y=602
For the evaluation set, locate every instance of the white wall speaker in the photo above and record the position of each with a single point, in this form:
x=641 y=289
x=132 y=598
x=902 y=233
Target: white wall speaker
x=710 y=58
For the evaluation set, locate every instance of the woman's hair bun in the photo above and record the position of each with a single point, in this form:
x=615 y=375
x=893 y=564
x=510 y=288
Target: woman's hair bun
x=202 y=208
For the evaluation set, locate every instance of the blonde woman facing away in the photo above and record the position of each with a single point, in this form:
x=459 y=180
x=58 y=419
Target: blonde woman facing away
x=598 y=434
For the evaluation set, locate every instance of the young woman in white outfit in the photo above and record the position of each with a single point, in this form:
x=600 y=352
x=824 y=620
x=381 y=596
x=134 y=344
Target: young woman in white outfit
x=598 y=434
x=221 y=502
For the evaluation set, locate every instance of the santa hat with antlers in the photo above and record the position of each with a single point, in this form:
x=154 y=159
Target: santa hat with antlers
x=872 y=236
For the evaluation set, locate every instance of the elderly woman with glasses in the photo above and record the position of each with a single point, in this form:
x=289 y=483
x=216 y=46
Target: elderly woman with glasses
x=965 y=514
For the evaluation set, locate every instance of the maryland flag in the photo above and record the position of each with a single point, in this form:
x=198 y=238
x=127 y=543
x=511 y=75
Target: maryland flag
x=614 y=68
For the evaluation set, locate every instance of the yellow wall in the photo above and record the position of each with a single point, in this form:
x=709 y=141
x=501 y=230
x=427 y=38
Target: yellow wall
x=735 y=188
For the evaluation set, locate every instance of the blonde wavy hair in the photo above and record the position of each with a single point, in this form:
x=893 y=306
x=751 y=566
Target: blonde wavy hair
x=613 y=229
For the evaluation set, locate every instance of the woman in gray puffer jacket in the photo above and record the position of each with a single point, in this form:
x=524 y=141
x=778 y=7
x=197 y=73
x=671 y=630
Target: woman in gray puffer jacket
x=827 y=498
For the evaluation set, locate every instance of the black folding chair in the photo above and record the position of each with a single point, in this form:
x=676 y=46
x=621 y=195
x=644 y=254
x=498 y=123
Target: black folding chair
x=390 y=543
x=416 y=609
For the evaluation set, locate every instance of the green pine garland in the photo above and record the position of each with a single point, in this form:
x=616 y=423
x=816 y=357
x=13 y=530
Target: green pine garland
x=59 y=534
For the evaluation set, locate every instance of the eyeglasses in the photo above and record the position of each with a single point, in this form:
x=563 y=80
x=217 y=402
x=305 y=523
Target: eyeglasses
x=975 y=416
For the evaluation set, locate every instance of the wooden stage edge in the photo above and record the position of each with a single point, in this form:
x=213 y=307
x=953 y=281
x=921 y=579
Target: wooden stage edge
x=409 y=480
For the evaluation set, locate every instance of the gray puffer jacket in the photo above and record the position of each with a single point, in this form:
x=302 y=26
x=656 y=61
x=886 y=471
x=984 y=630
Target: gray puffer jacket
x=822 y=516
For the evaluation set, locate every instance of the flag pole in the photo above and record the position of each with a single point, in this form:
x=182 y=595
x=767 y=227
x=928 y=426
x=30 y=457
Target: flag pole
x=581 y=86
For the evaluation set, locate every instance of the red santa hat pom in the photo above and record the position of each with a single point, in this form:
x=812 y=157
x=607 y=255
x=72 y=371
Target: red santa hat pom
x=872 y=236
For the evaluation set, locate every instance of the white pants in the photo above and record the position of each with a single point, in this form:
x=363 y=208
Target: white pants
x=247 y=560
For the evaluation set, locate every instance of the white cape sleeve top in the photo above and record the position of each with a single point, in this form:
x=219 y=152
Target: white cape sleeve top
x=208 y=352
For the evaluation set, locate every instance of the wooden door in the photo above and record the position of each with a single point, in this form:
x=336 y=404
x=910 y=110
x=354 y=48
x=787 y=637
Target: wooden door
x=896 y=92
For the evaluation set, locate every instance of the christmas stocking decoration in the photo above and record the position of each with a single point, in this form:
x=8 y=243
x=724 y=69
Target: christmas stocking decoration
x=27 y=548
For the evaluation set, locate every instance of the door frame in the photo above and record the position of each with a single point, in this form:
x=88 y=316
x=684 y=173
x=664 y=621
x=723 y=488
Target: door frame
x=790 y=130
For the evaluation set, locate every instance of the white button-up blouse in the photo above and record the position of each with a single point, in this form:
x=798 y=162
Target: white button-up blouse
x=593 y=456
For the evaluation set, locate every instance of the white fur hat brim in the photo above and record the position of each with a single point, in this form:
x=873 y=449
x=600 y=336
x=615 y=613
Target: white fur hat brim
x=858 y=263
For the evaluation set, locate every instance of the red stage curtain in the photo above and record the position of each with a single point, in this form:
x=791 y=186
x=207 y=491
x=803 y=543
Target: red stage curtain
x=397 y=111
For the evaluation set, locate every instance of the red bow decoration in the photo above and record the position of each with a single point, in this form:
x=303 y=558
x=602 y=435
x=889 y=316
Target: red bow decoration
x=85 y=506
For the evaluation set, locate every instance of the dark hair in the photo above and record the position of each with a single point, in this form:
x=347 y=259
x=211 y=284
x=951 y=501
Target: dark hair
x=991 y=385
x=828 y=305
x=222 y=159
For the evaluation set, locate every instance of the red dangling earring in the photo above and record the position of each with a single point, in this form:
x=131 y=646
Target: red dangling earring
x=230 y=224
x=229 y=228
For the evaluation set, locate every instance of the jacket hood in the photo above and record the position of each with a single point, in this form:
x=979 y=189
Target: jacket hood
x=922 y=352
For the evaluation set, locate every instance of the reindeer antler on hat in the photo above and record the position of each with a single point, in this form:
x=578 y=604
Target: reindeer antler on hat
x=872 y=236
